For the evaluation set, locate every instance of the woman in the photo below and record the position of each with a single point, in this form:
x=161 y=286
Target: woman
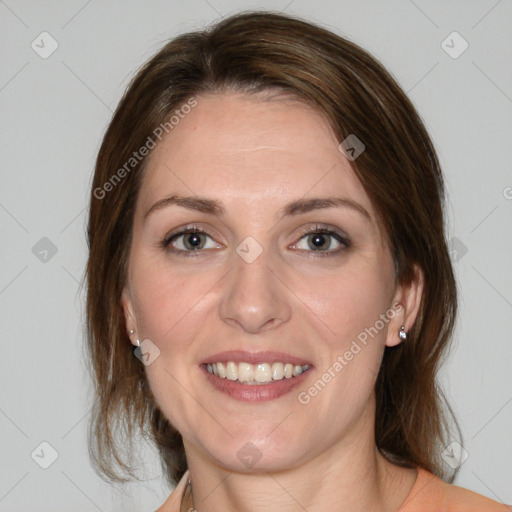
x=266 y=228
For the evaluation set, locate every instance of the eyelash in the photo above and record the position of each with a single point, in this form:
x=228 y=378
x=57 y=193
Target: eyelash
x=317 y=230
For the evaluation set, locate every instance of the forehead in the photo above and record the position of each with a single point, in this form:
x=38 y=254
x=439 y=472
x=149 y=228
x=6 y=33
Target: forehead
x=247 y=151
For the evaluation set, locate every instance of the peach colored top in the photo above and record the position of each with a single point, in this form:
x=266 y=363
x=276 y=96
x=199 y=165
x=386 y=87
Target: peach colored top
x=429 y=494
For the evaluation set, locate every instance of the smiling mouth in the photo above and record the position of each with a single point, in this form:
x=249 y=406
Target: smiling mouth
x=255 y=374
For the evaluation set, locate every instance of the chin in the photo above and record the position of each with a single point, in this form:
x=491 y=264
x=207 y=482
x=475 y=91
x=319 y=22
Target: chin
x=258 y=452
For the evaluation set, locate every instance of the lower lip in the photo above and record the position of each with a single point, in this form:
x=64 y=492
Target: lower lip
x=255 y=392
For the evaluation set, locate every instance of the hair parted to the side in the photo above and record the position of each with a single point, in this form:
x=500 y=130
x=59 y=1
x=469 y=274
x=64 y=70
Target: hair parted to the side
x=254 y=52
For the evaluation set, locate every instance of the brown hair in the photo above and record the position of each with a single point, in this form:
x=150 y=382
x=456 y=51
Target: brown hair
x=255 y=52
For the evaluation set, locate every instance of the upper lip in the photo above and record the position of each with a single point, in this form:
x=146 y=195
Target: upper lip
x=268 y=356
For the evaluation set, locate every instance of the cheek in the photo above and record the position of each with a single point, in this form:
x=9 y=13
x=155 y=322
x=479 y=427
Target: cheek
x=348 y=304
x=166 y=301
x=350 y=352
x=348 y=312
x=170 y=312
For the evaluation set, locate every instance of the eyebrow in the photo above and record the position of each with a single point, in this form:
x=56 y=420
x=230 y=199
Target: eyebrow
x=298 y=207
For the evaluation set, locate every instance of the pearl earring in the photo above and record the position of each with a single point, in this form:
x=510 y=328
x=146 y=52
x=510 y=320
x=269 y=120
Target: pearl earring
x=137 y=340
x=402 y=334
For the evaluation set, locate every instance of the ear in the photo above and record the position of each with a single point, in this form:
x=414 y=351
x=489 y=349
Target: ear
x=406 y=304
x=129 y=316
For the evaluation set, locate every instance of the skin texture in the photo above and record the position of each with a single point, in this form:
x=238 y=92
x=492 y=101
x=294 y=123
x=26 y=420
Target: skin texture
x=256 y=156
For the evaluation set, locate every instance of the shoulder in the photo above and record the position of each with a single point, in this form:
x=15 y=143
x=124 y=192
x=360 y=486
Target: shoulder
x=430 y=493
x=173 y=502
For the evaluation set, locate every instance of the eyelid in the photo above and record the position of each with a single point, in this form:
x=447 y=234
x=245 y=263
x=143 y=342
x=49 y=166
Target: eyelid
x=208 y=230
x=325 y=228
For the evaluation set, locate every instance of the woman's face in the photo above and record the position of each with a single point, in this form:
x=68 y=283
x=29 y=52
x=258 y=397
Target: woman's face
x=254 y=282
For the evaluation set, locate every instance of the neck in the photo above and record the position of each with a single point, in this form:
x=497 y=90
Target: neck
x=356 y=478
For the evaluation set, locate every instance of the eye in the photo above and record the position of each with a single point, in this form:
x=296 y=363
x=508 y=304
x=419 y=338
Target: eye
x=318 y=241
x=188 y=240
x=323 y=240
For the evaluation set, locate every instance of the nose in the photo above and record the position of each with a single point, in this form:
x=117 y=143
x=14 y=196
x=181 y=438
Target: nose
x=253 y=299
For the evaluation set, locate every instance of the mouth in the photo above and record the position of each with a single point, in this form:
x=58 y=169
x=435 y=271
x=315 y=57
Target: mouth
x=254 y=377
x=255 y=374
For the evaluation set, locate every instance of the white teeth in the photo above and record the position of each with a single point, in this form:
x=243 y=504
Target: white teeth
x=277 y=371
x=245 y=372
x=297 y=370
x=221 y=370
x=261 y=373
x=231 y=371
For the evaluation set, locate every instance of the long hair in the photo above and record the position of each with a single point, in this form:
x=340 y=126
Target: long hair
x=253 y=52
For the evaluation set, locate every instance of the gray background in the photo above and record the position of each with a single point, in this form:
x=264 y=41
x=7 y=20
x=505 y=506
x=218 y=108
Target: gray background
x=54 y=112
